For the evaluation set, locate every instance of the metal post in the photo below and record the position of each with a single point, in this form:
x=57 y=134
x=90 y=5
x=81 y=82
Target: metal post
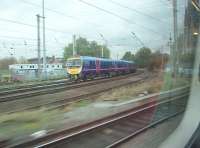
x=106 y=43
x=44 y=44
x=102 y=52
x=175 y=52
x=38 y=37
x=74 y=45
x=162 y=58
x=171 y=54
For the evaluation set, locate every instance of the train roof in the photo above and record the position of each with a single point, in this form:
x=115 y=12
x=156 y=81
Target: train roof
x=102 y=59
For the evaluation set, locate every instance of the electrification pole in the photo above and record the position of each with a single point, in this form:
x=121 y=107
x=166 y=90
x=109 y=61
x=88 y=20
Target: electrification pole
x=175 y=51
x=74 y=45
x=38 y=43
x=44 y=44
x=102 y=49
x=171 y=53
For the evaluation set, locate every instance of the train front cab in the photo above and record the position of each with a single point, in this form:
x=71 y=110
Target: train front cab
x=74 y=68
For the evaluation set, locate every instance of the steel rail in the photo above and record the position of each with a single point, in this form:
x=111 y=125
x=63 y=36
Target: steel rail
x=23 y=88
x=53 y=88
x=125 y=139
x=72 y=132
x=108 y=122
x=64 y=102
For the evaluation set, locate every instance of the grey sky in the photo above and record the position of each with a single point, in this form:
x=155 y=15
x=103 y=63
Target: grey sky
x=74 y=17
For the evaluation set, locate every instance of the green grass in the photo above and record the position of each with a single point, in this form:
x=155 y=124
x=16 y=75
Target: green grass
x=24 y=83
x=131 y=91
x=19 y=124
x=16 y=124
x=4 y=72
x=82 y=103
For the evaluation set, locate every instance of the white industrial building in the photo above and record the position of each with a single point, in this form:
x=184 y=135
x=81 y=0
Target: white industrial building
x=27 y=72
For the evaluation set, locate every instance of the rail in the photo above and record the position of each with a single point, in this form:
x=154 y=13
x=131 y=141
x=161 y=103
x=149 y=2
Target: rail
x=120 y=127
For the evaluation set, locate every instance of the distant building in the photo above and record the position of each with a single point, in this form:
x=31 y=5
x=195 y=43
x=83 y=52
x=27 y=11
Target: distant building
x=28 y=72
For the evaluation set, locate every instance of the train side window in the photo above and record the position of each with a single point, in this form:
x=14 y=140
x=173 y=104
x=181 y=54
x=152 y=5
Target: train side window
x=86 y=64
x=93 y=64
x=90 y=65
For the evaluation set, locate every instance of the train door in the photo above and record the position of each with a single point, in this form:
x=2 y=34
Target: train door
x=97 y=66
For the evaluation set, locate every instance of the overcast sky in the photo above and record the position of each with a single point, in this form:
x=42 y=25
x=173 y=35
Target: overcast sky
x=150 y=20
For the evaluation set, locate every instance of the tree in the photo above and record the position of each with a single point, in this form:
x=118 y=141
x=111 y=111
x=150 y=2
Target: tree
x=158 y=60
x=128 y=56
x=86 y=48
x=142 y=57
x=5 y=62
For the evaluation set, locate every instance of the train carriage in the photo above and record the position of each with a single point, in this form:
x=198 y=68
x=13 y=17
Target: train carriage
x=85 y=67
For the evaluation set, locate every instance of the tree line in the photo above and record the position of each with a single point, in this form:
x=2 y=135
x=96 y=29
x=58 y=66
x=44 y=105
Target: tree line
x=86 y=48
x=5 y=62
x=145 y=58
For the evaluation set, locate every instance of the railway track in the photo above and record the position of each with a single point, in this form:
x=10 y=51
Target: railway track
x=21 y=93
x=6 y=89
x=116 y=129
x=84 y=92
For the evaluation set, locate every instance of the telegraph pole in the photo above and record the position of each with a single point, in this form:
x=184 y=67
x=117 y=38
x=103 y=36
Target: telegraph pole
x=171 y=53
x=38 y=43
x=74 y=45
x=44 y=44
x=102 y=49
x=175 y=49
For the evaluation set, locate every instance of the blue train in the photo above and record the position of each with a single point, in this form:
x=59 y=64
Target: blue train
x=85 y=67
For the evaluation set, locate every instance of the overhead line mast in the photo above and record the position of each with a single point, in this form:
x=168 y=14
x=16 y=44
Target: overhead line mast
x=175 y=52
x=44 y=42
x=38 y=36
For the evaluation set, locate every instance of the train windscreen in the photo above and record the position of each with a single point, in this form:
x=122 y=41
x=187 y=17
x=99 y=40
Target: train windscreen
x=73 y=63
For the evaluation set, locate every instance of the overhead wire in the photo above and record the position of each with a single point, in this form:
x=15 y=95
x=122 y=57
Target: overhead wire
x=135 y=10
x=17 y=38
x=33 y=26
x=120 y=17
x=55 y=11
x=58 y=12
x=63 y=14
